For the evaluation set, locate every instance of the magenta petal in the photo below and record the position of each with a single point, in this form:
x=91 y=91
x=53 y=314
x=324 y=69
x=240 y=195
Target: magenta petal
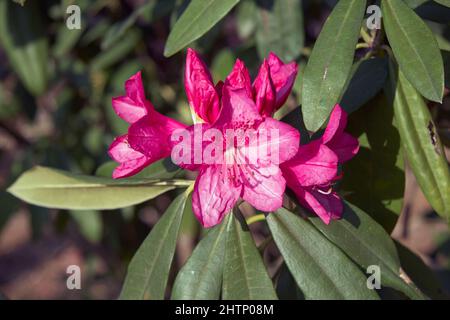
x=135 y=89
x=336 y=124
x=264 y=91
x=327 y=206
x=239 y=78
x=237 y=109
x=283 y=78
x=133 y=105
x=151 y=135
x=130 y=160
x=214 y=195
x=200 y=90
x=346 y=147
x=263 y=187
x=127 y=109
x=314 y=164
x=282 y=138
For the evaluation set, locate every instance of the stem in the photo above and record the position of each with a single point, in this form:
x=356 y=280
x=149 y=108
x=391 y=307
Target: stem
x=256 y=218
x=366 y=37
x=361 y=45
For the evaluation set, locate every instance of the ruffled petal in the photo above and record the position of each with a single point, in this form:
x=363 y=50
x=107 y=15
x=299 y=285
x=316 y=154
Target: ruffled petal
x=264 y=91
x=238 y=110
x=278 y=140
x=239 y=78
x=263 y=187
x=214 y=195
x=151 y=135
x=315 y=164
x=200 y=90
x=346 y=147
x=283 y=78
x=133 y=106
x=130 y=160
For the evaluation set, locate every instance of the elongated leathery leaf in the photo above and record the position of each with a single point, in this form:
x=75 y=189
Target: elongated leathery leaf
x=201 y=276
x=244 y=275
x=422 y=144
x=196 y=20
x=54 y=188
x=330 y=62
x=22 y=37
x=280 y=28
x=415 y=48
x=321 y=270
x=366 y=242
x=149 y=269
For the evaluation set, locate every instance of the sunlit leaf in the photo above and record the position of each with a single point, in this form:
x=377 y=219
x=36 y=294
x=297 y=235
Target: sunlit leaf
x=330 y=62
x=321 y=270
x=244 y=275
x=149 y=269
x=199 y=17
x=415 y=48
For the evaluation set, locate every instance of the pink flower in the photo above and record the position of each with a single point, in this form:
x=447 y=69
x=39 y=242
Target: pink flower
x=219 y=185
x=312 y=172
x=309 y=170
x=148 y=138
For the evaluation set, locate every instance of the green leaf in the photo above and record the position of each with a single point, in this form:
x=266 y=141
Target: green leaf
x=245 y=18
x=375 y=180
x=23 y=39
x=54 y=188
x=414 y=3
x=321 y=270
x=196 y=20
x=330 y=62
x=162 y=169
x=445 y=3
x=90 y=224
x=280 y=29
x=367 y=80
x=367 y=243
x=244 y=275
x=149 y=269
x=415 y=49
x=152 y=8
x=222 y=64
x=201 y=276
x=422 y=144
x=117 y=52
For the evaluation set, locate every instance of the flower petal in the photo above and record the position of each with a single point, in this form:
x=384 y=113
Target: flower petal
x=151 y=135
x=200 y=90
x=263 y=187
x=283 y=78
x=281 y=138
x=336 y=124
x=133 y=105
x=327 y=206
x=214 y=195
x=346 y=147
x=314 y=164
x=264 y=91
x=237 y=109
x=239 y=78
x=130 y=160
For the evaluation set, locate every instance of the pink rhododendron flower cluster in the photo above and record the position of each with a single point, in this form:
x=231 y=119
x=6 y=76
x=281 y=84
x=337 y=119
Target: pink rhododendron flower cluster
x=237 y=104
